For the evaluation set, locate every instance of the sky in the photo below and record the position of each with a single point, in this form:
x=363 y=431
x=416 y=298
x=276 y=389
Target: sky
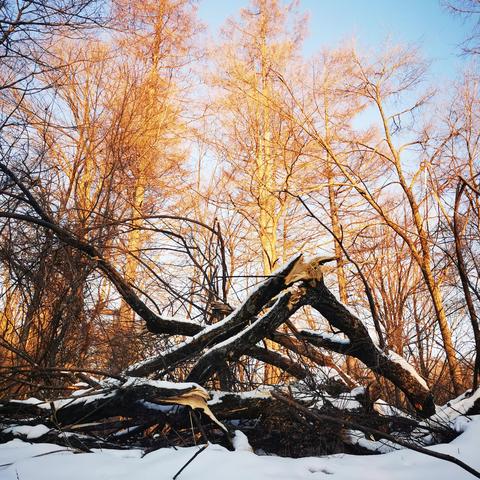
x=424 y=23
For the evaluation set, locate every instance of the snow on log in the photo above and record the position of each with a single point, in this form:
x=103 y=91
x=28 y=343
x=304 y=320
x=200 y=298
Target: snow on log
x=466 y=404
x=364 y=348
x=133 y=396
x=233 y=348
x=332 y=342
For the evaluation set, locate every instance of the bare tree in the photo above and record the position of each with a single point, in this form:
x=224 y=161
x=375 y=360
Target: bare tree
x=469 y=10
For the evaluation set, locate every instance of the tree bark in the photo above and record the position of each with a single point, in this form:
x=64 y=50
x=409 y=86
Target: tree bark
x=362 y=347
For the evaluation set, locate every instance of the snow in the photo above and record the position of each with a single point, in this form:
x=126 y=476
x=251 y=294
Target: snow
x=217 y=395
x=29 y=401
x=394 y=357
x=383 y=408
x=451 y=411
x=30 y=432
x=183 y=344
x=373 y=334
x=137 y=381
x=240 y=442
x=356 y=437
x=348 y=401
x=49 y=462
x=251 y=327
x=85 y=398
x=450 y=415
x=344 y=401
x=91 y=395
x=330 y=337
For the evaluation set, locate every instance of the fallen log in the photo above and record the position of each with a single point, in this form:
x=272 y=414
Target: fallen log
x=220 y=331
x=233 y=348
x=307 y=350
x=360 y=345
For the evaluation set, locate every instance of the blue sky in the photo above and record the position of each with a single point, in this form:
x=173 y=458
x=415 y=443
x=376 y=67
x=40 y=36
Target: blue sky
x=424 y=23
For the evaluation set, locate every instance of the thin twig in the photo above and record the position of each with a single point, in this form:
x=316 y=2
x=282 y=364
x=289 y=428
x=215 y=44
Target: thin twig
x=189 y=462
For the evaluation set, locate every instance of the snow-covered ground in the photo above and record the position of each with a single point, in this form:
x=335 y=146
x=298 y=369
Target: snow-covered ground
x=24 y=461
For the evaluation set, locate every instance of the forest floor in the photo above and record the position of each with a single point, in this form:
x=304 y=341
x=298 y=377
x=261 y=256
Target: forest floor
x=20 y=460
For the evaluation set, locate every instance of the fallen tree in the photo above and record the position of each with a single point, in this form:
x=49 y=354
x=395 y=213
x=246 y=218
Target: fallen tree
x=148 y=406
x=134 y=412
x=299 y=283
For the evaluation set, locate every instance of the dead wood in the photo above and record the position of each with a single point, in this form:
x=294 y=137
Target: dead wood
x=221 y=331
x=278 y=360
x=285 y=306
x=361 y=346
